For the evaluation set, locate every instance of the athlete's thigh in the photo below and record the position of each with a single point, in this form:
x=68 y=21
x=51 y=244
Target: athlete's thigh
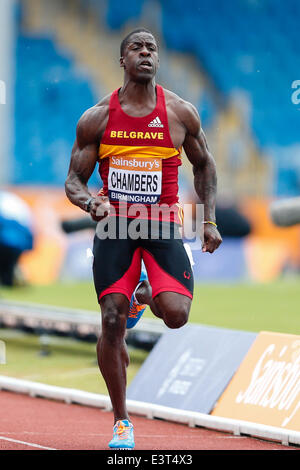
x=174 y=302
x=116 y=266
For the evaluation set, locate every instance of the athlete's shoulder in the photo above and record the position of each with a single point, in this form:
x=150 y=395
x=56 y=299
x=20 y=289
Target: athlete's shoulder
x=93 y=122
x=185 y=111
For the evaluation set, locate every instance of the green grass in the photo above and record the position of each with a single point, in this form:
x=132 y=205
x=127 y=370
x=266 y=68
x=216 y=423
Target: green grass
x=70 y=363
x=74 y=295
x=251 y=307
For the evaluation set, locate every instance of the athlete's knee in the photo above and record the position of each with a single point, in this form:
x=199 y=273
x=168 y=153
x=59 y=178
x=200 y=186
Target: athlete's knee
x=174 y=308
x=113 y=318
x=176 y=317
x=113 y=321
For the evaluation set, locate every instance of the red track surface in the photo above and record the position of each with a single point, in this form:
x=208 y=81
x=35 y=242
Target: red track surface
x=56 y=425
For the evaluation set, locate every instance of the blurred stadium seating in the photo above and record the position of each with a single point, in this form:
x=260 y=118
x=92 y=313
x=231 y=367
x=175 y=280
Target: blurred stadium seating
x=51 y=95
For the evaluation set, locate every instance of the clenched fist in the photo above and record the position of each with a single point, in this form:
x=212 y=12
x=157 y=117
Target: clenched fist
x=212 y=238
x=100 y=208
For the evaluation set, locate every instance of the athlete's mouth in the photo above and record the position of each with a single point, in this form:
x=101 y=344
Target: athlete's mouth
x=145 y=64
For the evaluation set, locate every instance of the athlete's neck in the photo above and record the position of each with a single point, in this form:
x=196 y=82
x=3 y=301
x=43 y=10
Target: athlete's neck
x=137 y=93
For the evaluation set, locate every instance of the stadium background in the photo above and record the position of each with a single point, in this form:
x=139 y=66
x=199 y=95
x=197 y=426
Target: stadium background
x=236 y=61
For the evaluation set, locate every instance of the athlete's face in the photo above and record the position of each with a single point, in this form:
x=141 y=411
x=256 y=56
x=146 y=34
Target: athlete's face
x=140 y=59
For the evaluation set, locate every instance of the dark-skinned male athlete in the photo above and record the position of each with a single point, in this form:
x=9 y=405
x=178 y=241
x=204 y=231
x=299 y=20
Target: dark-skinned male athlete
x=136 y=134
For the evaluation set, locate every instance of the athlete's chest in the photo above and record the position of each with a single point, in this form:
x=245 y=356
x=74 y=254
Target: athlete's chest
x=154 y=124
x=155 y=128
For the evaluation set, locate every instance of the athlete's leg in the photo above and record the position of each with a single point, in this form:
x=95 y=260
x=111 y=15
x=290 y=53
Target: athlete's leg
x=141 y=297
x=171 y=277
x=173 y=308
x=112 y=354
x=144 y=296
x=116 y=270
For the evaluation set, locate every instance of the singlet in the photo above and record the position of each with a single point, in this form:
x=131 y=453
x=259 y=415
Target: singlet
x=138 y=162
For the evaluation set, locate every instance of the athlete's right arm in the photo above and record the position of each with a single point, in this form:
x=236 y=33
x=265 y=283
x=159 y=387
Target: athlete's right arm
x=84 y=158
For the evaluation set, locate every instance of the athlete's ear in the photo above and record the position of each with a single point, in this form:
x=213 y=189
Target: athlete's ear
x=122 y=62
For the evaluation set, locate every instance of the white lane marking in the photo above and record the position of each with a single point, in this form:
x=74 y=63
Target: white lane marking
x=26 y=443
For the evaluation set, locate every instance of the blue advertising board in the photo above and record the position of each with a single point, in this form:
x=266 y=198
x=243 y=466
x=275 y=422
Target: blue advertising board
x=190 y=367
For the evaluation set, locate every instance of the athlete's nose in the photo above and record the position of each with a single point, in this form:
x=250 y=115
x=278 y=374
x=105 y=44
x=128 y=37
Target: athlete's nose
x=145 y=52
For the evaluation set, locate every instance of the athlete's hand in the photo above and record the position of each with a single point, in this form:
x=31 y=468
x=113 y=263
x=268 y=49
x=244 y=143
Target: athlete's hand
x=212 y=238
x=100 y=208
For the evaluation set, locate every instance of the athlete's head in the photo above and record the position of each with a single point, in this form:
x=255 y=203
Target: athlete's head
x=139 y=55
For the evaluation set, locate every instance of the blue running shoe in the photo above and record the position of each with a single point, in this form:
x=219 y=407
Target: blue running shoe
x=136 y=310
x=122 y=435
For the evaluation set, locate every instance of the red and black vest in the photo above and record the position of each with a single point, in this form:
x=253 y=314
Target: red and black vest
x=138 y=162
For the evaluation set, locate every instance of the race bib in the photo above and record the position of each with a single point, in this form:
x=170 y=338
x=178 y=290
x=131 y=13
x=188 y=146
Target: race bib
x=135 y=180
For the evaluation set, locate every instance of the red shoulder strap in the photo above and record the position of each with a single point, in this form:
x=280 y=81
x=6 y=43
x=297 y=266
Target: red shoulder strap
x=113 y=102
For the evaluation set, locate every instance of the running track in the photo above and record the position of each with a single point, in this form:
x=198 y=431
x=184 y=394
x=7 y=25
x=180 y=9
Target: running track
x=28 y=423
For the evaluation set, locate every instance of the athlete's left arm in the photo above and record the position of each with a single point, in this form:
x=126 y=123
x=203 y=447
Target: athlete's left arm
x=205 y=174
